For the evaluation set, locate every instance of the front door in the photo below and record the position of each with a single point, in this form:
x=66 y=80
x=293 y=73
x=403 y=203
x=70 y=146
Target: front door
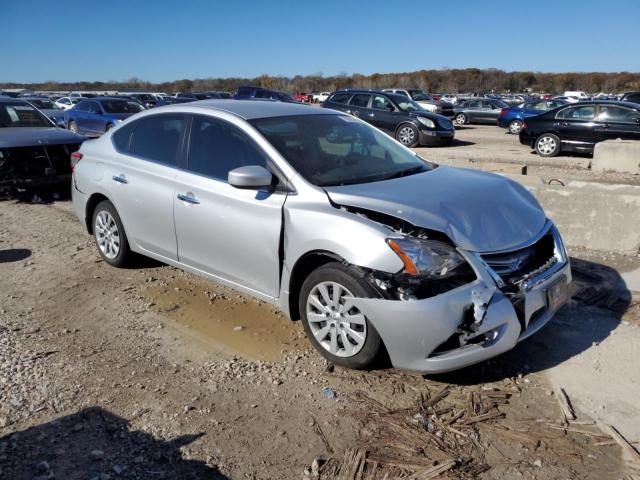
x=382 y=114
x=576 y=126
x=229 y=233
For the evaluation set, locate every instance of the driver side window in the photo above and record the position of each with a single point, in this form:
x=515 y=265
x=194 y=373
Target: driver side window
x=381 y=102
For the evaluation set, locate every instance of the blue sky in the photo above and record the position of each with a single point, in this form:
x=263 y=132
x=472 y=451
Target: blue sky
x=70 y=40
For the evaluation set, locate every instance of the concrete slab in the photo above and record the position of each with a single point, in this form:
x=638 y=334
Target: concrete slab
x=617 y=156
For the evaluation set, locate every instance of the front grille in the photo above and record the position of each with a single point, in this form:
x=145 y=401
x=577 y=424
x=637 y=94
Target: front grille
x=513 y=266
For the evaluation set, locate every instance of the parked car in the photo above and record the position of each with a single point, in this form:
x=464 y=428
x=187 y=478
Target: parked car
x=484 y=110
x=567 y=99
x=512 y=100
x=221 y=95
x=259 y=93
x=633 y=97
x=146 y=99
x=66 y=103
x=425 y=101
x=578 y=127
x=450 y=98
x=173 y=100
x=395 y=114
x=320 y=97
x=579 y=94
x=512 y=118
x=50 y=109
x=302 y=97
x=370 y=246
x=95 y=116
x=33 y=151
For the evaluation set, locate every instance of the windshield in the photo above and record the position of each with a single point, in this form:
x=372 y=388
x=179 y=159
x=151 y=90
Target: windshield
x=43 y=104
x=500 y=104
x=146 y=97
x=21 y=115
x=407 y=105
x=118 y=106
x=331 y=150
x=419 y=95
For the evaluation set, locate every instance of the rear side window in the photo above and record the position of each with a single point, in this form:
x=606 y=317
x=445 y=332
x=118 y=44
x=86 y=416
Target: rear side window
x=83 y=106
x=586 y=113
x=216 y=147
x=360 y=100
x=340 y=97
x=634 y=97
x=157 y=138
x=617 y=114
x=122 y=136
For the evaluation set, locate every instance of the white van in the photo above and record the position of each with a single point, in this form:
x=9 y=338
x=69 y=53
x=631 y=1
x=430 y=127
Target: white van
x=578 y=94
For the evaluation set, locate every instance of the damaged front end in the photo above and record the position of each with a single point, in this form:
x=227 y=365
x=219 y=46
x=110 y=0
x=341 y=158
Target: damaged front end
x=449 y=308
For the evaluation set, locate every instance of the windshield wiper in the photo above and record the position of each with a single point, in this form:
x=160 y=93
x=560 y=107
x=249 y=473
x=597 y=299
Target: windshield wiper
x=406 y=172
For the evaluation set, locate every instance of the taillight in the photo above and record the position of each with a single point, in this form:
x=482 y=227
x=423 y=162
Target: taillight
x=75 y=158
x=503 y=112
x=524 y=125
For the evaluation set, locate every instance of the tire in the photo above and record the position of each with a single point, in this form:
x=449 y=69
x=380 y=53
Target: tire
x=514 y=127
x=461 y=119
x=109 y=127
x=407 y=134
x=328 y=336
x=73 y=127
x=111 y=239
x=547 y=145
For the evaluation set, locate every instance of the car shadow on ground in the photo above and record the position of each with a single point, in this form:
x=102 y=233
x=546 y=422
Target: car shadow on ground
x=599 y=298
x=94 y=443
x=14 y=255
x=460 y=143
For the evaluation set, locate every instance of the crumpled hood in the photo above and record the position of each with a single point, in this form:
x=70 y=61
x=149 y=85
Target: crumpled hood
x=30 y=136
x=478 y=211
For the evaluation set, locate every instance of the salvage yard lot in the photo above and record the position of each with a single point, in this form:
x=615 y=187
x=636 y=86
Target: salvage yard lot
x=154 y=373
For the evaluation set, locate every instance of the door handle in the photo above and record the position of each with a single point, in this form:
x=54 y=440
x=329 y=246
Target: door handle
x=371 y=114
x=189 y=198
x=564 y=124
x=120 y=178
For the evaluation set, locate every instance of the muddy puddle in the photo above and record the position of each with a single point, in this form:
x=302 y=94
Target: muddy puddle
x=223 y=318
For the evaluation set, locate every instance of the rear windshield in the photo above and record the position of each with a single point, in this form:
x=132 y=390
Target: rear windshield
x=43 y=104
x=118 y=106
x=21 y=115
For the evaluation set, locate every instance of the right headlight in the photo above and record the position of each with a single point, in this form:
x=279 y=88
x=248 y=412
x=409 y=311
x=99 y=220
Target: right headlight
x=427 y=258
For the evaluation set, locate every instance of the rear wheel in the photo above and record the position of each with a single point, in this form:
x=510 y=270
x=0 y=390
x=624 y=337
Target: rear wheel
x=547 y=145
x=335 y=327
x=407 y=135
x=109 y=234
x=461 y=119
x=515 y=126
x=73 y=127
x=109 y=127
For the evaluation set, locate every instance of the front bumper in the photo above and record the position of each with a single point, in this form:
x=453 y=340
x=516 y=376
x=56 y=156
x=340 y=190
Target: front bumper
x=413 y=330
x=436 y=137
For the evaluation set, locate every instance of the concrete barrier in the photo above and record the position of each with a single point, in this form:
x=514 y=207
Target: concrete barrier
x=617 y=155
x=592 y=215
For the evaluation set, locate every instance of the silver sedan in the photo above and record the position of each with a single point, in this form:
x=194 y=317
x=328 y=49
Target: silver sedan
x=334 y=222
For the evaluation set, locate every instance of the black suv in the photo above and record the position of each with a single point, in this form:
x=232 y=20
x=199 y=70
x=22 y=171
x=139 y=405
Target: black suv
x=396 y=115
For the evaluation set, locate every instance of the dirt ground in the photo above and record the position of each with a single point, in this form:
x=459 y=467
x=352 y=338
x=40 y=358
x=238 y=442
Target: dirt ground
x=150 y=372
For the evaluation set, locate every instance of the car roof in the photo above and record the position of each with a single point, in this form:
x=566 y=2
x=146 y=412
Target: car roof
x=250 y=109
x=605 y=102
x=4 y=99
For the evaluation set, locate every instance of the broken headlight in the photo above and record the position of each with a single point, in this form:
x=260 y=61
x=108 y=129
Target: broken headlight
x=426 y=258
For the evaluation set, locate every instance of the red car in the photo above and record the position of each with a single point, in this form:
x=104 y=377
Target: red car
x=302 y=97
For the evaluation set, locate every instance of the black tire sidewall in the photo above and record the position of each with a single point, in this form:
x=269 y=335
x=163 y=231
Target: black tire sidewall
x=337 y=272
x=123 y=254
x=557 y=149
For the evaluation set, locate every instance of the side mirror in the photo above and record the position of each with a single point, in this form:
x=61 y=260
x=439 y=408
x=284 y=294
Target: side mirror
x=252 y=177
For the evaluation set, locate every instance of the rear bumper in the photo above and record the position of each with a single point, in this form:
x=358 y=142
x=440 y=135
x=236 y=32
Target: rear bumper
x=79 y=201
x=503 y=122
x=413 y=330
x=527 y=139
x=436 y=137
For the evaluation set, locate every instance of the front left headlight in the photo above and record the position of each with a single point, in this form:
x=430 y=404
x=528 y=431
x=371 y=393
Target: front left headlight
x=427 y=258
x=426 y=122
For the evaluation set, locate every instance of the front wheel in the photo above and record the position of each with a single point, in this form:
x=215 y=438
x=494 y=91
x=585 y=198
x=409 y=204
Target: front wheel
x=335 y=327
x=515 y=126
x=548 y=145
x=461 y=119
x=407 y=135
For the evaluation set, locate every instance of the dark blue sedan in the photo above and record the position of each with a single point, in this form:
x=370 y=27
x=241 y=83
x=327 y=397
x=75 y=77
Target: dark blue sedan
x=94 y=116
x=512 y=118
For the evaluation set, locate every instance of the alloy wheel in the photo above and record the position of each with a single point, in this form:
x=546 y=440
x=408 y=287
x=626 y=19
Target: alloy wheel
x=461 y=119
x=515 y=127
x=107 y=235
x=406 y=135
x=546 y=145
x=337 y=325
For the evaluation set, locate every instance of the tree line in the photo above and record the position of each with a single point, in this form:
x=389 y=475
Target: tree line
x=442 y=80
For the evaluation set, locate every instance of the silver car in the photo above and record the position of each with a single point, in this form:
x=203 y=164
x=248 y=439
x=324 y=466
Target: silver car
x=334 y=222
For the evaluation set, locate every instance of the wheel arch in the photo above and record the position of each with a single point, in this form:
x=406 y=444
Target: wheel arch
x=90 y=208
x=401 y=124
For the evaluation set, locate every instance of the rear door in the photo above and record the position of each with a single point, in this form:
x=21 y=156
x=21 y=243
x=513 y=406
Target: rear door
x=229 y=233
x=615 y=121
x=359 y=104
x=93 y=117
x=142 y=178
x=473 y=110
x=79 y=114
